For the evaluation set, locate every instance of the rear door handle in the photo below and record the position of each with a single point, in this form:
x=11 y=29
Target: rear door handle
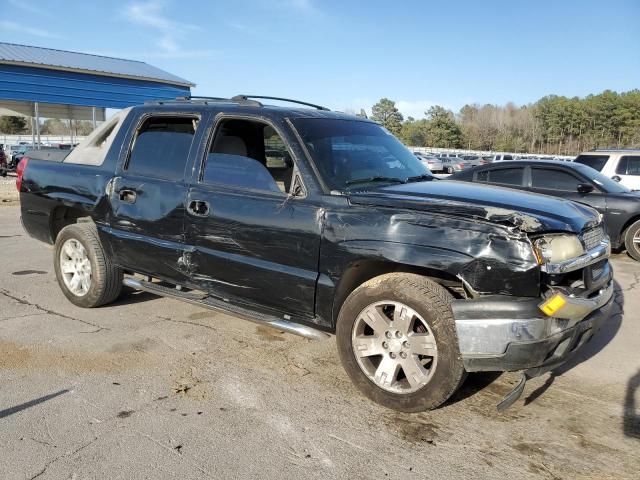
x=127 y=196
x=198 y=208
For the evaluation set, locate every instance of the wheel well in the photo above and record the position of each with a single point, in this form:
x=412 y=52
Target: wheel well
x=623 y=232
x=359 y=272
x=63 y=216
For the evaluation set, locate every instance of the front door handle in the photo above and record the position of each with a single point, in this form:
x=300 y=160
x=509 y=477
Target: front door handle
x=127 y=196
x=199 y=208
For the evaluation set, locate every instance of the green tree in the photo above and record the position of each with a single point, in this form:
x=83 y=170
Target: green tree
x=386 y=113
x=414 y=132
x=12 y=125
x=442 y=129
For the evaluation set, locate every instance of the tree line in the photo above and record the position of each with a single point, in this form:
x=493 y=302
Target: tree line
x=15 y=125
x=552 y=125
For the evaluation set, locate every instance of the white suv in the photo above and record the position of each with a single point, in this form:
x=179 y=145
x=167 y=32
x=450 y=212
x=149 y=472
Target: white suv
x=621 y=165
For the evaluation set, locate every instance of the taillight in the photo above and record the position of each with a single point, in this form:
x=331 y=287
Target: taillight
x=22 y=165
x=461 y=165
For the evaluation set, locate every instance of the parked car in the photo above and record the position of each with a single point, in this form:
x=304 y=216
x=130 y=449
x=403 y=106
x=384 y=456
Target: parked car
x=3 y=164
x=474 y=160
x=16 y=154
x=621 y=165
x=453 y=164
x=500 y=157
x=433 y=163
x=619 y=206
x=421 y=281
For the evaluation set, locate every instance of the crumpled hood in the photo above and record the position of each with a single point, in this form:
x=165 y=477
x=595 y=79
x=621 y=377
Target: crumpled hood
x=529 y=212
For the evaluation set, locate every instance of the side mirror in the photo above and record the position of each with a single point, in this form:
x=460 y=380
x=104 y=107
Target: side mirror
x=616 y=178
x=585 y=188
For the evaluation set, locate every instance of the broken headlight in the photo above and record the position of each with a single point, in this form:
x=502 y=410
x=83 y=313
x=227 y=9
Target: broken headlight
x=557 y=248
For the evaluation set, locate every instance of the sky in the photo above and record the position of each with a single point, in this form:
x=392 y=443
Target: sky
x=349 y=54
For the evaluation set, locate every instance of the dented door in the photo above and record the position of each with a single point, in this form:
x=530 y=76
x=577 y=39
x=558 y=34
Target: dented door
x=255 y=247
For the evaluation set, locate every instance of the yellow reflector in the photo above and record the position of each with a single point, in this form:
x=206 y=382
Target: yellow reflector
x=554 y=304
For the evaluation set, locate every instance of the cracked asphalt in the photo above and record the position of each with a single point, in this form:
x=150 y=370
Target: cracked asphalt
x=153 y=388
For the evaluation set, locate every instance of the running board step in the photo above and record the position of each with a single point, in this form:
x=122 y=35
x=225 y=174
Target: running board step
x=212 y=303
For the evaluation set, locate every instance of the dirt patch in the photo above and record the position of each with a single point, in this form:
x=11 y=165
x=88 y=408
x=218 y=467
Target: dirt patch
x=269 y=334
x=203 y=315
x=412 y=428
x=17 y=356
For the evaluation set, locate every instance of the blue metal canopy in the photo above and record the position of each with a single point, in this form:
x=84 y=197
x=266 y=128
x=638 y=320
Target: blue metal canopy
x=34 y=74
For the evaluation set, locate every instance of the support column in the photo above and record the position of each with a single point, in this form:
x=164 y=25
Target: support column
x=35 y=109
x=93 y=114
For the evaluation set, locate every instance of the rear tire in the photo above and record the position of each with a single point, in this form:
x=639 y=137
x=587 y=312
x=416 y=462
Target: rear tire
x=410 y=361
x=632 y=240
x=85 y=273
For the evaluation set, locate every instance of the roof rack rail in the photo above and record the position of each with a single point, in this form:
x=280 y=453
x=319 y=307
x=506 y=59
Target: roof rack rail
x=205 y=100
x=614 y=149
x=245 y=98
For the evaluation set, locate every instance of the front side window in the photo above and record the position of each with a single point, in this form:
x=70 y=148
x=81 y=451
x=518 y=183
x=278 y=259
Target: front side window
x=351 y=154
x=161 y=147
x=553 y=180
x=506 y=176
x=249 y=154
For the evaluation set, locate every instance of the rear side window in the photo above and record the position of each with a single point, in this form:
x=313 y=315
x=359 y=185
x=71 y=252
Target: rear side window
x=161 y=147
x=506 y=176
x=553 y=180
x=597 y=162
x=629 y=165
x=508 y=157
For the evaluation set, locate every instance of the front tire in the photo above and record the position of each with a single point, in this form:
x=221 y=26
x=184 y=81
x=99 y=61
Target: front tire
x=632 y=240
x=397 y=341
x=86 y=275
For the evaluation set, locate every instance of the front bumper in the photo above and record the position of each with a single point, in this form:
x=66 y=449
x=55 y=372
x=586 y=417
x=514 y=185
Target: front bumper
x=509 y=334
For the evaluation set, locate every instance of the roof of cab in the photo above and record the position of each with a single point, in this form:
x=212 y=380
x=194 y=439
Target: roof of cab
x=242 y=104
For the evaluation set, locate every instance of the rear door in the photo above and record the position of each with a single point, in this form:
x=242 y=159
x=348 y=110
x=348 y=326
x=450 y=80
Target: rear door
x=628 y=169
x=254 y=233
x=148 y=195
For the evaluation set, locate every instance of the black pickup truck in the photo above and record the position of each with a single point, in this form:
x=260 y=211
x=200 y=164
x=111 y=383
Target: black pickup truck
x=319 y=223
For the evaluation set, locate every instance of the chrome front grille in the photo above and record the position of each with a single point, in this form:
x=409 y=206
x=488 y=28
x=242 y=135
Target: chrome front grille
x=592 y=238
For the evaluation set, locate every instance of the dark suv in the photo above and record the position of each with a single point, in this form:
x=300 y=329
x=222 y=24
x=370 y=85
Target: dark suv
x=319 y=223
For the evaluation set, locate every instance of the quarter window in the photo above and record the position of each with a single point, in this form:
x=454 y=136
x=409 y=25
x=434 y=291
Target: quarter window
x=553 y=180
x=597 y=162
x=161 y=147
x=629 y=165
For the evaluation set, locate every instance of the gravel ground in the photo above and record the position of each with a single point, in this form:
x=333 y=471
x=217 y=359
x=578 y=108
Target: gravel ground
x=8 y=192
x=154 y=388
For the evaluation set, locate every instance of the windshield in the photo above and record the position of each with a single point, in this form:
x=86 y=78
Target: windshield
x=356 y=154
x=597 y=162
x=604 y=182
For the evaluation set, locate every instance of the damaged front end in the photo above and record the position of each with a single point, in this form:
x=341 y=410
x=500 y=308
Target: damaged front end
x=535 y=335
